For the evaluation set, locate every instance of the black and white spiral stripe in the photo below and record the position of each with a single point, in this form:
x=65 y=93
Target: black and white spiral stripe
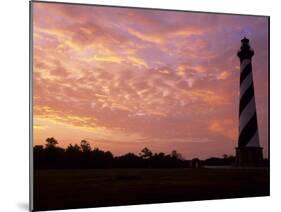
x=248 y=129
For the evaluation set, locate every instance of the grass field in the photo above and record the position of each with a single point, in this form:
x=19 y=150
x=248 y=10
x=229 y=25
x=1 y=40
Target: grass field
x=60 y=189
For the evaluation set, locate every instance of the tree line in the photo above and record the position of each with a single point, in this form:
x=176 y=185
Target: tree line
x=83 y=156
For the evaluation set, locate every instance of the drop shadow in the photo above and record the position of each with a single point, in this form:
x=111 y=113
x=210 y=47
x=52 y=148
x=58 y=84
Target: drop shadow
x=23 y=206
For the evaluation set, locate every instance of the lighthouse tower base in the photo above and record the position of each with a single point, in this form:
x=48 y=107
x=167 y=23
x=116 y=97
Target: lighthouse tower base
x=249 y=156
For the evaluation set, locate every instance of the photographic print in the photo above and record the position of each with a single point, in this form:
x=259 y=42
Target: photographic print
x=139 y=106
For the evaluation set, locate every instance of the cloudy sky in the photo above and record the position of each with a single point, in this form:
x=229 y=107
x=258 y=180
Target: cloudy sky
x=125 y=79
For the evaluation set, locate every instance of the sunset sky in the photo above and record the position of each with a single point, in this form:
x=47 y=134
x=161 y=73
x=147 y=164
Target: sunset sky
x=125 y=79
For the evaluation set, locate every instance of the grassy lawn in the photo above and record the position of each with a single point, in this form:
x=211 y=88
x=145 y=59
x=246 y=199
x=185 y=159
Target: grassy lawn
x=58 y=189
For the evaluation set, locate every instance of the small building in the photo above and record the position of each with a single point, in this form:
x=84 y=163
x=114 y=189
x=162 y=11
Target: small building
x=195 y=163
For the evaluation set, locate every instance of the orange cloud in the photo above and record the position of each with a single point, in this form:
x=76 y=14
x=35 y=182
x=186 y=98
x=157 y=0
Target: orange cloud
x=163 y=36
x=223 y=75
x=224 y=127
x=39 y=127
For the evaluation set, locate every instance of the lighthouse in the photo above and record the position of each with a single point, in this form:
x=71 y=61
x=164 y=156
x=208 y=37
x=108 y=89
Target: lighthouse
x=248 y=152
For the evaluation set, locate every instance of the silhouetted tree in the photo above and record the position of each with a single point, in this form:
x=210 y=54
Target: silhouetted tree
x=85 y=146
x=129 y=160
x=73 y=149
x=73 y=156
x=51 y=142
x=145 y=153
x=54 y=155
x=38 y=148
x=176 y=155
x=101 y=159
x=83 y=156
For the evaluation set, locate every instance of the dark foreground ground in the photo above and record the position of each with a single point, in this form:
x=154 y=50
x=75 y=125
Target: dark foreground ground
x=64 y=189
